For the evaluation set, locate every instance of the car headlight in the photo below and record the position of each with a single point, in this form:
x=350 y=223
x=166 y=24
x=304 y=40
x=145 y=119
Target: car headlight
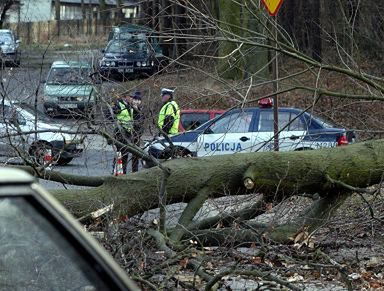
x=105 y=63
x=138 y=64
x=113 y=64
x=143 y=64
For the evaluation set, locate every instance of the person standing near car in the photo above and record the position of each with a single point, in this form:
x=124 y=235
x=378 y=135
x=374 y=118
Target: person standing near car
x=169 y=115
x=123 y=131
x=138 y=128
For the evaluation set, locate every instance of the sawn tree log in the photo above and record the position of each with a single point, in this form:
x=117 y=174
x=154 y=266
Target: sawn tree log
x=277 y=175
x=282 y=173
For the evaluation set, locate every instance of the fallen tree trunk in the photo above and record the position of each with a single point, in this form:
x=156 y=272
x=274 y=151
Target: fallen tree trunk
x=272 y=173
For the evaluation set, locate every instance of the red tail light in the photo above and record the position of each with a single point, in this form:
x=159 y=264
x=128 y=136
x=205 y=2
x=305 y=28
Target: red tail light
x=343 y=140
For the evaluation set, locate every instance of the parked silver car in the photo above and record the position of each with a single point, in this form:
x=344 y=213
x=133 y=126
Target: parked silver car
x=25 y=131
x=9 y=47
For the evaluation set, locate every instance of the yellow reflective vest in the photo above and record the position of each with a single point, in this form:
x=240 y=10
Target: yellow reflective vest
x=125 y=116
x=170 y=108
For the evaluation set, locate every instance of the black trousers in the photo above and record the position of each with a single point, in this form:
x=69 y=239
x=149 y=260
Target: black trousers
x=135 y=160
x=124 y=137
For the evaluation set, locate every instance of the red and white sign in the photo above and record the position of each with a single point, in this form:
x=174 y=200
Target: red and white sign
x=272 y=6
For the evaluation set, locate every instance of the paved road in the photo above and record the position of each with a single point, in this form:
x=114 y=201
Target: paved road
x=24 y=84
x=97 y=160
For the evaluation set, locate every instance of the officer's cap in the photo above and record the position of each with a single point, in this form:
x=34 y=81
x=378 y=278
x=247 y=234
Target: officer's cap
x=167 y=91
x=136 y=95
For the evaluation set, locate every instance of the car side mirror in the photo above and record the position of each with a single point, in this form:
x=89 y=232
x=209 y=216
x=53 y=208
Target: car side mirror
x=21 y=121
x=14 y=120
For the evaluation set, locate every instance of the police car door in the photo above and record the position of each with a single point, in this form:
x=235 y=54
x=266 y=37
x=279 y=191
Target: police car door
x=291 y=127
x=229 y=134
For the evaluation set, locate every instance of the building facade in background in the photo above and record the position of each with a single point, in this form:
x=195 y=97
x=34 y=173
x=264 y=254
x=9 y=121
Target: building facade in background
x=44 y=10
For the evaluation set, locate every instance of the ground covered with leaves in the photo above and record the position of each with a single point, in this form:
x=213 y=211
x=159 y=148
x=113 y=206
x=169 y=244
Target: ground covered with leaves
x=345 y=253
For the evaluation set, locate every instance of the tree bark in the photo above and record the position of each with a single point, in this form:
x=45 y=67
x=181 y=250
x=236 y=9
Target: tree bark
x=273 y=173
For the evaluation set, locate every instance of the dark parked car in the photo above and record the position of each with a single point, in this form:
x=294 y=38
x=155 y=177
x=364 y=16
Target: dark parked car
x=129 y=58
x=142 y=33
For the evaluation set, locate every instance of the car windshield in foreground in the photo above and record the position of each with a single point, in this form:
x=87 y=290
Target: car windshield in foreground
x=69 y=76
x=31 y=242
x=126 y=47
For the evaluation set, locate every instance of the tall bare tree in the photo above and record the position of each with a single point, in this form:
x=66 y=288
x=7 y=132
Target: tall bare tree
x=5 y=7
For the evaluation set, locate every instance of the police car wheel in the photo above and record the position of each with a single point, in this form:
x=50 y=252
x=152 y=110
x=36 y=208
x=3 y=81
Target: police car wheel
x=303 y=149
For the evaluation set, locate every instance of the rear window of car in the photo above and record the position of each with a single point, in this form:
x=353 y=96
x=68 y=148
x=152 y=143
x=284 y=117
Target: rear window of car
x=193 y=120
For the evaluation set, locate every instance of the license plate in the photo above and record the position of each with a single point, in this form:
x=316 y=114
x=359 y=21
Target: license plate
x=127 y=70
x=68 y=106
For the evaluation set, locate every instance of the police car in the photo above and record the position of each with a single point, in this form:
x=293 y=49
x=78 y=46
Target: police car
x=252 y=130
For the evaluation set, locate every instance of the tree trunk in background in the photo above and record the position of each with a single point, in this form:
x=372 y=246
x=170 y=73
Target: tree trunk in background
x=5 y=6
x=175 y=30
x=119 y=12
x=230 y=62
x=103 y=14
x=57 y=16
x=165 y=23
x=154 y=15
x=255 y=58
x=315 y=30
x=83 y=11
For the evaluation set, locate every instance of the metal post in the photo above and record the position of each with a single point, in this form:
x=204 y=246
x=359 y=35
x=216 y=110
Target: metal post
x=275 y=88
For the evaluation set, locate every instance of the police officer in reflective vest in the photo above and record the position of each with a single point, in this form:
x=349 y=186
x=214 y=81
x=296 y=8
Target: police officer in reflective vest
x=123 y=133
x=169 y=116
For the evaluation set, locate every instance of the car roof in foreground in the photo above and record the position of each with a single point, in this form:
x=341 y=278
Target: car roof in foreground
x=17 y=183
